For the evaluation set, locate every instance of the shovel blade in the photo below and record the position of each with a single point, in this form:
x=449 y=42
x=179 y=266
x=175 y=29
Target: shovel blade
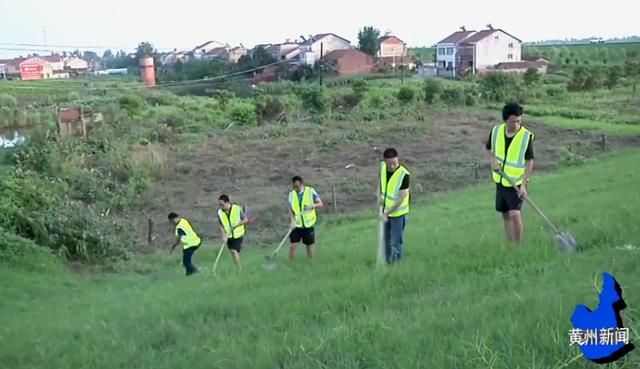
x=566 y=242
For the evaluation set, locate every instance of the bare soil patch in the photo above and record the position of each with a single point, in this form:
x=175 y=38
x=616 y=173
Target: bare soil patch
x=254 y=167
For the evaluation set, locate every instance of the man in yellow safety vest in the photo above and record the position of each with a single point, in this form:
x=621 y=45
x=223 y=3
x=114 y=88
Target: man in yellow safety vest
x=393 y=197
x=303 y=202
x=189 y=238
x=232 y=220
x=510 y=148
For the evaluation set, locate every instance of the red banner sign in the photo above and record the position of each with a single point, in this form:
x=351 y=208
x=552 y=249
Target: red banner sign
x=31 y=71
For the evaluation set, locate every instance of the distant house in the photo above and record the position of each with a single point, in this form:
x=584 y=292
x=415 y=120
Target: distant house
x=56 y=61
x=208 y=48
x=447 y=52
x=349 y=62
x=393 y=53
x=236 y=53
x=391 y=47
x=45 y=69
x=520 y=67
x=470 y=51
x=265 y=47
x=76 y=64
x=310 y=48
x=285 y=51
x=172 y=57
x=221 y=52
x=537 y=59
x=11 y=67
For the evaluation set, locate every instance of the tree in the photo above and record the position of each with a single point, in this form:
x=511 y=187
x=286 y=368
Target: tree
x=90 y=55
x=531 y=76
x=613 y=76
x=432 y=89
x=261 y=57
x=368 y=40
x=108 y=54
x=578 y=79
x=145 y=49
x=178 y=66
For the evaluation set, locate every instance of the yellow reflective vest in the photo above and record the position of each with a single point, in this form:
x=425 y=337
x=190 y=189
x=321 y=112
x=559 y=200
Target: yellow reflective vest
x=304 y=218
x=232 y=219
x=513 y=162
x=390 y=191
x=190 y=238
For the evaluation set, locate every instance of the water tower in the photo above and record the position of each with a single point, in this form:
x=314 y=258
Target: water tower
x=147 y=71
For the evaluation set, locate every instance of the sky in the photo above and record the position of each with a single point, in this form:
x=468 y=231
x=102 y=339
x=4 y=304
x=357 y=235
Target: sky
x=184 y=24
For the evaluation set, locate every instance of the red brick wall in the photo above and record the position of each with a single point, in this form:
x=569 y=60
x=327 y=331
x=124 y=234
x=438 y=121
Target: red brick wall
x=355 y=63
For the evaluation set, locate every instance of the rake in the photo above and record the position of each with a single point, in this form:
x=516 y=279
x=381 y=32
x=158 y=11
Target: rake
x=564 y=240
x=271 y=261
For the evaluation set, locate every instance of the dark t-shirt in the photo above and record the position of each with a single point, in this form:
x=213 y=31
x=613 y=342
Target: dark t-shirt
x=405 y=180
x=528 y=155
x=181 y=232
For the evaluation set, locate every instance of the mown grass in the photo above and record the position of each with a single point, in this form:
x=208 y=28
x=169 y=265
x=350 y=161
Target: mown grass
x=462 y=299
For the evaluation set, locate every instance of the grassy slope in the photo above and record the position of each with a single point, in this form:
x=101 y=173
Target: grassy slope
x=463 y=299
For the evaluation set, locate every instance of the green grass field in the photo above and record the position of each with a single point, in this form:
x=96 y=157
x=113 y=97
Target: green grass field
x=462 y=299
x=611 y=54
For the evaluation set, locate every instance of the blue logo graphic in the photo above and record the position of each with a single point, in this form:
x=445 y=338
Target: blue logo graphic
x=600 y=334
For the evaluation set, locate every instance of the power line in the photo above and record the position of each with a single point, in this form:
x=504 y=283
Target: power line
x=81 y=47
x=169 y=84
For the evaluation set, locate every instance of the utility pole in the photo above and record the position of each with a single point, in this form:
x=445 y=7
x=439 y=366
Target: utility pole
x=44 y=36
x=401 y=69
x=321 y=61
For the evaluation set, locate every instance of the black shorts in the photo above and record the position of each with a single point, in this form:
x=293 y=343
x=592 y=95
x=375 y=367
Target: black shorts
x=306 y=235
x=235 y=244
x=507 y=199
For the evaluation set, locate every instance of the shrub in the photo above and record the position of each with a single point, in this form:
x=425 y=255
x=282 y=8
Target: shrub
x=406 y=95
x=531 y=77
x=13 y=248
x=313 y=98
x=453 y=96
x=498 y=86
x=7 y=101
x=347 y=101
x=432 y=90
x=36 y=208
x=223 y=97
x=613 y=76
x=359 y=87
x=268 y=107
x=156 y=97
x=243 y=113
x=132 y=104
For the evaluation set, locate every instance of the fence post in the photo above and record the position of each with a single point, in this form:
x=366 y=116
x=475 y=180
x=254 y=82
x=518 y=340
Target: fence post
x=150 y=233
x=334 y=198
x=603 y=142
x=476 y=167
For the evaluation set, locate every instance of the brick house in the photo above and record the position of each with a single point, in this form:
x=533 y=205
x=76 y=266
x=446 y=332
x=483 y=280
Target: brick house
x=393 y=53
x=349 y=62
x=391 y=47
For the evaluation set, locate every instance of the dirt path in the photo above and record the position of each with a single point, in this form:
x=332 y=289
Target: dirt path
x=254 y=167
